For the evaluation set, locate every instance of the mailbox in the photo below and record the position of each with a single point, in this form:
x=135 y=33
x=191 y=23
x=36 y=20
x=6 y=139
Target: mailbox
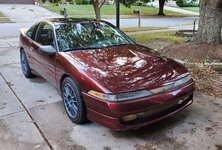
x=136 y=11
x=63 y=12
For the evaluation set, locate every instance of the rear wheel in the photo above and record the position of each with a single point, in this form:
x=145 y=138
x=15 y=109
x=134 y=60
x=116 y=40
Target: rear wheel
x=25 y=65
x=73 y=101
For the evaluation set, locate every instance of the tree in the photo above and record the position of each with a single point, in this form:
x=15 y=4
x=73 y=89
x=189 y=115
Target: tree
x=97 y=5
x=54 y=1
x=161 y=7
x=210 y=22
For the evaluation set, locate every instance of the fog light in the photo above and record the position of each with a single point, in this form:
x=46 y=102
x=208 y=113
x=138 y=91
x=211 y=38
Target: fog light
x=129 y=118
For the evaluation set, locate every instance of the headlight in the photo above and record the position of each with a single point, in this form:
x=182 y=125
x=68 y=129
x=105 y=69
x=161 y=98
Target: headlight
x=122 y=96
x=140 y=94
x=171 y=85
x=163 y=88
x=182 y=81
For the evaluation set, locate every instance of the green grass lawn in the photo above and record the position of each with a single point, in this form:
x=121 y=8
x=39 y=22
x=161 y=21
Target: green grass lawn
x=194 y=9
x=158 y=40
x=4 y=19
x=136 y=29
x=160 y=36
x=107 y=11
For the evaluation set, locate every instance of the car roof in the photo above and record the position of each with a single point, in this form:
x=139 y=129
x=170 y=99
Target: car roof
x=70 y=20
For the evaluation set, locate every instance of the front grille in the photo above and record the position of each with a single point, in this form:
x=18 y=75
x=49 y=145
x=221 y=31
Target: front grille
x=160 y=111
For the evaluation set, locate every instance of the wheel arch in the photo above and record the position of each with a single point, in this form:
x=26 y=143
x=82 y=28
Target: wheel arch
x=65 y=76
x=21 y=48
x=61 y=80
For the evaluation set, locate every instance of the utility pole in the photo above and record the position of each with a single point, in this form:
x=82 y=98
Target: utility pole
x=117 y=14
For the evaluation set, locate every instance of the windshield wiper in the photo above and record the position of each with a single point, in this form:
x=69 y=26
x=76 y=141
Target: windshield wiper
x=88 y=48
x=79 y=49
x=124 y=44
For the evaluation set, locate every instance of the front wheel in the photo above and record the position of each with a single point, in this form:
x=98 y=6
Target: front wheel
x=25 y=65
x=73 y=101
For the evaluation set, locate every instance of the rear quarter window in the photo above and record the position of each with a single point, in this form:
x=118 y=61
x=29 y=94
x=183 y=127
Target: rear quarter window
x=32 y=31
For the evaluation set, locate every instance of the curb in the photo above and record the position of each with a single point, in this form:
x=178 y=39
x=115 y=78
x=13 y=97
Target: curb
x=198 y=64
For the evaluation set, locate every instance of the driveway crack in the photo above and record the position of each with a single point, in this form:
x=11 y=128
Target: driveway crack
x=12 y=113
x=31 y=117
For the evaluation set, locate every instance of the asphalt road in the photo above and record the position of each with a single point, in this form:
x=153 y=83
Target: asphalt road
x=26 y=15
x=155 y=22
x=12 y=29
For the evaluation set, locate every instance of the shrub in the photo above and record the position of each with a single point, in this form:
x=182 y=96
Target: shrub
x=54 y=1
x=62 y=2
x=56 y=4
x=78 y=2
x=192 y=4
x=147 y=1
x=181 y=3
x=184 y=3
x=71 y=3
x=139 y=3
x=86 y=2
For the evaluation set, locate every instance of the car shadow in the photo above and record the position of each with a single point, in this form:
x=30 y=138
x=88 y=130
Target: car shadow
x=37 y=79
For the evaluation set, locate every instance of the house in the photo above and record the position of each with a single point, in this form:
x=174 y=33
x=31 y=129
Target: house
x=17 y=1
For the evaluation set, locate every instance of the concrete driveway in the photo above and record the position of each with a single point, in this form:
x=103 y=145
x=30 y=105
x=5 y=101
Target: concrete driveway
x=26 y=13
x=23 y=16
x=32 y=117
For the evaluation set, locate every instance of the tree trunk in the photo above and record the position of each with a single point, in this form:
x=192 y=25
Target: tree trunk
x=96 y=8
x=210 y=22
x=161 y=6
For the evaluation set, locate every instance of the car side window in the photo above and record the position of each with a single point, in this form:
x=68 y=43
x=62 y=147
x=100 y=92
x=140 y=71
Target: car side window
x=44 y=35
x=32 y=31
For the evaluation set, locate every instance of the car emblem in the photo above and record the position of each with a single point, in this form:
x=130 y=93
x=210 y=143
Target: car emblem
x=180 y=102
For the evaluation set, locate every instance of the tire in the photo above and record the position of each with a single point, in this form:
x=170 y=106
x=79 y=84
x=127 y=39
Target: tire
x=25 y=65
x=73 y=101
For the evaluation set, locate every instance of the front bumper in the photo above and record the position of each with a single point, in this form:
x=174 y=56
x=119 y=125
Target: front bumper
x=150 y=109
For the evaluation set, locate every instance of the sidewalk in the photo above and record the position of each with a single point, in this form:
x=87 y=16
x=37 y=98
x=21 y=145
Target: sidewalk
x=175 y=9
x=175 y=28
x=182 y=11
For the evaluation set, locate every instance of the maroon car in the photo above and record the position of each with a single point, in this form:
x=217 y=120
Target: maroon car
x=103 y=75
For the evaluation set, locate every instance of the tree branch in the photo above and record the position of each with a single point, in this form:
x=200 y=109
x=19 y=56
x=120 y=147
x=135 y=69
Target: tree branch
x=102 y=4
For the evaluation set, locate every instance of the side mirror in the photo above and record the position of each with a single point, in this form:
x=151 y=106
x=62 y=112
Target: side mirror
x=48 y=50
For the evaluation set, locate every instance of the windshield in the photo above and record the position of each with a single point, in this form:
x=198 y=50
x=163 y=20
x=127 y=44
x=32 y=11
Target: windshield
x=89 y=35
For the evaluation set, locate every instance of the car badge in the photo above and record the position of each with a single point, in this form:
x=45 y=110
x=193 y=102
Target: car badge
x=180 y=102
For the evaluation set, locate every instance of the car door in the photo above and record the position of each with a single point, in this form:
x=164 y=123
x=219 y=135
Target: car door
x=44 y=64
x=27 y=41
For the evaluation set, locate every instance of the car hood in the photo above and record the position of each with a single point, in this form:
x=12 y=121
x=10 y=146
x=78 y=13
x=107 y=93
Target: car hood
x=127 y=68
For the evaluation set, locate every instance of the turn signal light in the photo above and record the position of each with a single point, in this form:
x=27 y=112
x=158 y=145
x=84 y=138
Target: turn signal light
x=129 y=118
